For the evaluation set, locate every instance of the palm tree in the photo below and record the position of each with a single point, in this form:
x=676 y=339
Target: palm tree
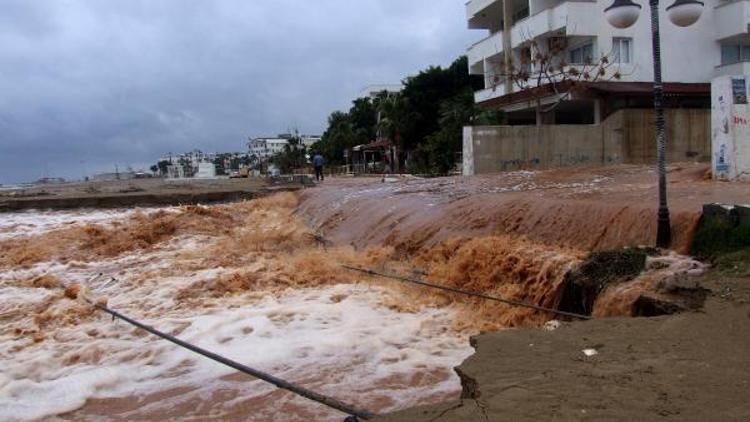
x=392 y=116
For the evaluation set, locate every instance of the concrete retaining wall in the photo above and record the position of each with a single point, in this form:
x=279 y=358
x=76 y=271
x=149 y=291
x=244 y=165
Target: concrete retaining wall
x=627 y=136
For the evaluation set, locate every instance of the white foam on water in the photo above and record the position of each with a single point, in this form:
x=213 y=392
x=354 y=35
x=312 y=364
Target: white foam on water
x=31 y=223
x=346 y=346
x=341 y=340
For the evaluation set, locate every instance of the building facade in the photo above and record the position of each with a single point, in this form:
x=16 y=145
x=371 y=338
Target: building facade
x=189 y=164
x=266 y=147
x=576 y=32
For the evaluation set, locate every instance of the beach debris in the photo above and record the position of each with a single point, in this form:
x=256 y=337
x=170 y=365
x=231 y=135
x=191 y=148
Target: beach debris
x=590 y=352
x=552 y=325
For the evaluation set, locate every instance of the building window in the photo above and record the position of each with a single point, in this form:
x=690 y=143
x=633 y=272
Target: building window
x=582 y=55
x=622 y=50
x=521 y=14
x=735 y=53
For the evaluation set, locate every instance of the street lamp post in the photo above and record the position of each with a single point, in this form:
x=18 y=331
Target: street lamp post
x=623 y=14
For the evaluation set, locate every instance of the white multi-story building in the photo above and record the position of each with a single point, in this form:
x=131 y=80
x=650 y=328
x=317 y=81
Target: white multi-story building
x=266 y=147
x=718 y=44
x=309 y=140
x=192 y=158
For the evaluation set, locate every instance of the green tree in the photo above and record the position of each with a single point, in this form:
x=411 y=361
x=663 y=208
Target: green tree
x=426 y=118
x=363 y=117
x=425 y=93
x=438 y=153
x=292 y=157
x=395 y=116
x=338 y=137
x=234 y=163
x=219 y=165
x=163 y=165
x=187 y=166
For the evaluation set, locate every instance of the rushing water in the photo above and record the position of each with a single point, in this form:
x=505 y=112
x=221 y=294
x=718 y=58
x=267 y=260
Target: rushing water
x=252 y=282
x=344 y=339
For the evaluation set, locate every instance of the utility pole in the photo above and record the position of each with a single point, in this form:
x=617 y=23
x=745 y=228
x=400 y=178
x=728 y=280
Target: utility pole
x=623 y=14
x=664 y=230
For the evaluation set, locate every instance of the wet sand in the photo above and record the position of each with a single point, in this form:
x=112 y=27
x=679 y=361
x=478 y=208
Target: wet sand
x=688 y=367
x=138 y=192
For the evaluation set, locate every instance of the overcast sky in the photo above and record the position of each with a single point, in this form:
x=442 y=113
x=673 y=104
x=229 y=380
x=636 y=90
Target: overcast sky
x=87 y=84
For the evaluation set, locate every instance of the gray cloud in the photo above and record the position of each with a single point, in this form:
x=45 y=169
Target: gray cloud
x=124 y=81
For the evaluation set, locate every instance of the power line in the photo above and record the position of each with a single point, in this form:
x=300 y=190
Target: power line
x=466 y=293
x=278 y=382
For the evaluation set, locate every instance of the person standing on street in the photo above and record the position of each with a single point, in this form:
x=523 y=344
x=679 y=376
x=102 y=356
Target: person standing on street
x=318 y=162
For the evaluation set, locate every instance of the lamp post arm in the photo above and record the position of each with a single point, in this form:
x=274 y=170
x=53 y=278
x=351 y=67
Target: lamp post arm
x=664 y=231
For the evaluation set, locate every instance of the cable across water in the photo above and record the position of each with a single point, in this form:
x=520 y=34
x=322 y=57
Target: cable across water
x=465 y=293
x=278 y=382
x=333 y=403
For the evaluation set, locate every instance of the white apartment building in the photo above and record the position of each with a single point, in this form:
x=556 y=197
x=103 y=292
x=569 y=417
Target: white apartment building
x=192 y=158
x=309 y=140
x=266 y=147
x=718 y=44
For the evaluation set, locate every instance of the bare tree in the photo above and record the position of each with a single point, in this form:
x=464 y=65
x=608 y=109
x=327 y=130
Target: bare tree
x=549 y=68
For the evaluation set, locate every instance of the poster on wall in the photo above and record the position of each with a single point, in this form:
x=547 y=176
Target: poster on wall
x=739 y=90
x=722 y=93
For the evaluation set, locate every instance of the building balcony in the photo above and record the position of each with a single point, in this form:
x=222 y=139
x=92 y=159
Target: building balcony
x=476 y=7
x=735 y=69
x=732 y=19
x=489 y=93
x=486 y=48
x=480 y=12
x=569 y=18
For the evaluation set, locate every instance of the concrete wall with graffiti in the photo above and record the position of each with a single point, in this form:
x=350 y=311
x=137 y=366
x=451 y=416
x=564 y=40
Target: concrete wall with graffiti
x=625 y=137
x=730 y=124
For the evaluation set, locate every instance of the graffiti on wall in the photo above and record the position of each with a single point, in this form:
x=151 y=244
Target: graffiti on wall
x=518 y=164
x=730 y=128
x=721 y=113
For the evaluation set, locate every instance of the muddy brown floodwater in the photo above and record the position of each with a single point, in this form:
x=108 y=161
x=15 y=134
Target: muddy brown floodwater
x=582 y=208
x=261 y=282
x=248 y=280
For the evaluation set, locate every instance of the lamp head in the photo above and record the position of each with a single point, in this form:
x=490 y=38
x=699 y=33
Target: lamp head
x=622 y=13
x=685 y=12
